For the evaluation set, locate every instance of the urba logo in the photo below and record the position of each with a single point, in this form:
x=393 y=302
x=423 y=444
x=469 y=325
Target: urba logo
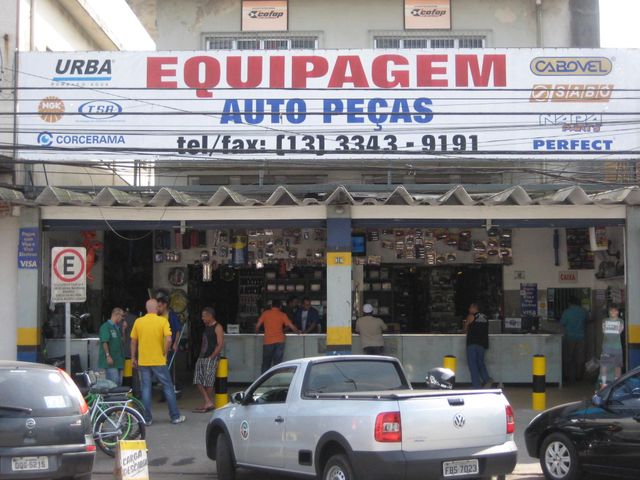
x=83 y=70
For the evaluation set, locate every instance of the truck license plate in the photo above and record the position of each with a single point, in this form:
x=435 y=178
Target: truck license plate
x=19 y=464
x=460 y=467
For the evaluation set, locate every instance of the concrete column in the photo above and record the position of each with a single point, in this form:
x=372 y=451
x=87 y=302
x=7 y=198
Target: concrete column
x=632 y=273
x=9 y=286
x=28 y=296
x=338 y=279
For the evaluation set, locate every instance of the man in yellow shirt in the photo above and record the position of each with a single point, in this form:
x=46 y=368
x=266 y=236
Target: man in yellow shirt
x=150 y=343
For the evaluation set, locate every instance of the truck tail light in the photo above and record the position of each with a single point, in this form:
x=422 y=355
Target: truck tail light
x=511 y=420
x=388 y=427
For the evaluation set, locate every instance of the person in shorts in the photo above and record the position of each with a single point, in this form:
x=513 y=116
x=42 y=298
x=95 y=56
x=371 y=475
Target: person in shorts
x=611 y=356
x=204 y=376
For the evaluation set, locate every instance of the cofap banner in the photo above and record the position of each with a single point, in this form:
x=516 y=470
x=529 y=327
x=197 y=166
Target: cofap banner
x=334 y=104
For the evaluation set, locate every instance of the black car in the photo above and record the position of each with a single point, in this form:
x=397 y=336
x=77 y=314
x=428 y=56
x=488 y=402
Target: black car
x=45 y=429
x=601 y=435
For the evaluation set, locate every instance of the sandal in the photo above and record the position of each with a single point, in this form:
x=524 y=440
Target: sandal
x=203 y=409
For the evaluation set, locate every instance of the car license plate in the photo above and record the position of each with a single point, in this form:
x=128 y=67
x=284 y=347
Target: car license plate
x=460 y=467
x=19 y=464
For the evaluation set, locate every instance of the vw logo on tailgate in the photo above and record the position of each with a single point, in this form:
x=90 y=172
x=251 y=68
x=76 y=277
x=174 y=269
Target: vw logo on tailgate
x=458 y=420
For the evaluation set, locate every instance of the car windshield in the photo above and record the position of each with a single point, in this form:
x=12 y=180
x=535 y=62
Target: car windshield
x=354 y=376
x=32 y=392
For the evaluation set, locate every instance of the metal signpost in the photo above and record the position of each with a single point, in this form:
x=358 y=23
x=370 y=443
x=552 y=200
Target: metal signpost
x=68 y=284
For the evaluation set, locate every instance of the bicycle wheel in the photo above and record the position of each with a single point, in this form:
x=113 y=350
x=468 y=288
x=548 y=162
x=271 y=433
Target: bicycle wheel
x=117 y=423
x=136 y=404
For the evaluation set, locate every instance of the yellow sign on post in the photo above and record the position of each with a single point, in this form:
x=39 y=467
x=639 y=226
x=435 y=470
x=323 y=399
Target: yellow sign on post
x=131 y=460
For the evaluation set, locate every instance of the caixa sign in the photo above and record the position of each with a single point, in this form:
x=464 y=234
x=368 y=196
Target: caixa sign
x=572 y=66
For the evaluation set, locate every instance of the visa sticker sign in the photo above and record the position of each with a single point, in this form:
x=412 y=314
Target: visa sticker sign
x=28 y=248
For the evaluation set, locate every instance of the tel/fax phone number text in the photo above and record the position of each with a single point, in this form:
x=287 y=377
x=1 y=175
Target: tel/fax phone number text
x=283 y=144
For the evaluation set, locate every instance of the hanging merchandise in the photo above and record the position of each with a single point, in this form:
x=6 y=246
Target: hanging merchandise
x=207 y=272
x=178 y=301
x=373 y=236
x=177 y=276
x=239 y=250
x=204 y=256
x=158 y=257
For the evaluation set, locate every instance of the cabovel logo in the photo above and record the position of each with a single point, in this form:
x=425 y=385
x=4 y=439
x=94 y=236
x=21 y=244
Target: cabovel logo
x=571 y=66
x=83 y=70
x=100 y=109
x=45 y=139
x=244 y=429
x=51 y=109
x=30 y=423
x=459 y=420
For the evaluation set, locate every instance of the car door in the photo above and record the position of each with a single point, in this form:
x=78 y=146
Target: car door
x=624 y=433
x=262 y=420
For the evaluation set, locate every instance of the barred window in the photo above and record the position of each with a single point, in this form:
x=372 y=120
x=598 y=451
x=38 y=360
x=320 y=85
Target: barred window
x=429 y=42
x=214 y=42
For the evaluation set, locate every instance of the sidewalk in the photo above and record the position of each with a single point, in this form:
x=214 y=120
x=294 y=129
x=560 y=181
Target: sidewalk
x=178 y=451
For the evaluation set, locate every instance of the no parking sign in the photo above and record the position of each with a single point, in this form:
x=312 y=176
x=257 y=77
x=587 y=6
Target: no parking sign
x=68 y=275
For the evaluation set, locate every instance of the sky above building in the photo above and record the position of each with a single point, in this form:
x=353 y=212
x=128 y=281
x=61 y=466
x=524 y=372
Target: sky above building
x=619 y=23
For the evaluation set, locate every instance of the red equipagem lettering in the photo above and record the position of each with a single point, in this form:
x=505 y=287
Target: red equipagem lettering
x=205 y=73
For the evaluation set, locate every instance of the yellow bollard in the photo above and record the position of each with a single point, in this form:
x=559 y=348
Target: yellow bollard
x=450 y=361
x=221 y=396
x=539 y=396
x=127 y=373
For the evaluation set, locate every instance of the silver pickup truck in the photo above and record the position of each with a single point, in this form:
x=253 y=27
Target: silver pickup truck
x=357 y=417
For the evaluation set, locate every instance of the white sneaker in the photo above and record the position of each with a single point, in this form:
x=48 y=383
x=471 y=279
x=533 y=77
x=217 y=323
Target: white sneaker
x=180 y=419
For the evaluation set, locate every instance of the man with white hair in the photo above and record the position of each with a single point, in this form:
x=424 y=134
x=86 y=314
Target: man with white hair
x=153 y=335
x=370 y=329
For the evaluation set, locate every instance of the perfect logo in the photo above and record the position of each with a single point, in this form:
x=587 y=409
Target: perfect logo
x=571 y=66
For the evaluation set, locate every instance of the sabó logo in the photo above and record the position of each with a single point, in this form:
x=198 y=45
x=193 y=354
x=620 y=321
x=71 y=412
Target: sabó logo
x=81 y=70
x=100 y=109
x=45 y=139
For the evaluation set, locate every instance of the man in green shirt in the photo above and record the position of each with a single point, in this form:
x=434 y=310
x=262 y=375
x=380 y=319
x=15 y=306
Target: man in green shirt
x=111 y=358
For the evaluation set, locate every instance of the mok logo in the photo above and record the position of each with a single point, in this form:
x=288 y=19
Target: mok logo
x=51 y=109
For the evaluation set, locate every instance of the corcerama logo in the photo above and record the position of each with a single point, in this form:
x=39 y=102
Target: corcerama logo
x=100 y=109
x=83 y=70
x=573 y=66
x=45 y=139
x=51 y=109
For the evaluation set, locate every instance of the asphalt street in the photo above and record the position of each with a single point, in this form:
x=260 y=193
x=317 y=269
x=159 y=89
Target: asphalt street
x=178 y=451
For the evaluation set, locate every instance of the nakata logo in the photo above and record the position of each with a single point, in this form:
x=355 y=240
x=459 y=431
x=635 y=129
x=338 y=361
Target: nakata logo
x=100 y=109
x=204 y=73
x=576 y=66
x=47 y=139
x=573 y=92
x=265 y=14
x=426 y=12
x=80 y=70
x=51 y=109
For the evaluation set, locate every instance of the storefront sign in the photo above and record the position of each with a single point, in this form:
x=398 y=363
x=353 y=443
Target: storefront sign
x=68 y=275
x=264 y=15
x=529 y=299
x=427 y=14
x=329 y=105
x=29 y=248
x=338 y=259
x=568 y=277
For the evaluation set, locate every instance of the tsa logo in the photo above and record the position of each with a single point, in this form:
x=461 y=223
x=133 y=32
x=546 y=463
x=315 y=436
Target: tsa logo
x=100 y=109
x=45 y=139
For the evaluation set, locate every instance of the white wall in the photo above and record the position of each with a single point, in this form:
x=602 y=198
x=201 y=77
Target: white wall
x=8 y=287
x=353 y=23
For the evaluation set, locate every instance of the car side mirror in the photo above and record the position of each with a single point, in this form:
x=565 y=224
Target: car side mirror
x=597 y=400
x=237 y=397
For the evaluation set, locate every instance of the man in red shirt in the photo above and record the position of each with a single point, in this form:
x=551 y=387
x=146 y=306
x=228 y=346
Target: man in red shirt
x=274 y=321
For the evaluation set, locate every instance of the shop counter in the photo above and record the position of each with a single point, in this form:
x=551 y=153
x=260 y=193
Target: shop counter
x=86 y=348
x=508 y=359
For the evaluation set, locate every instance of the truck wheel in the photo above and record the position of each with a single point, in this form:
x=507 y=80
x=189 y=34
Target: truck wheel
x=338 y=468
x=224 y=459
x=558 y=458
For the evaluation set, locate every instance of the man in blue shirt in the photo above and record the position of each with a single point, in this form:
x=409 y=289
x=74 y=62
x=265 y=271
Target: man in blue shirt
x=307 y=318
x=574 y=320
x=176 y=328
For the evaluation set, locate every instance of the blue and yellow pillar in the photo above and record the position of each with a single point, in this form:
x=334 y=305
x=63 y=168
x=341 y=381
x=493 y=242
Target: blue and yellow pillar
x=28 y=328
x=339 y=268
x=632 y=272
